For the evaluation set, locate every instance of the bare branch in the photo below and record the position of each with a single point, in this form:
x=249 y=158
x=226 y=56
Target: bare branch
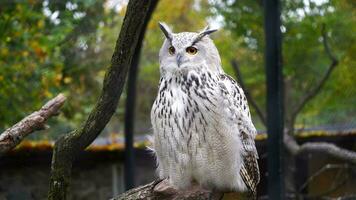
x=319 y=147
x=346 y=197
x=329 y=149
x=322 y=170
x=334 y=186
x=12 y=136
x=313 y=92
x=161 y=190
x=332 y=189
x=142 y=192
x=238 y=74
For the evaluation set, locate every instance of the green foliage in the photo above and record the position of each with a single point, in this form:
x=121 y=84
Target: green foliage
x=29 y=60
x=51 y=47
x=304 y=57
x=48 y=48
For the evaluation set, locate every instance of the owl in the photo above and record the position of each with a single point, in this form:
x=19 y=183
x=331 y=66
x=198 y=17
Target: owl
x=201 y=121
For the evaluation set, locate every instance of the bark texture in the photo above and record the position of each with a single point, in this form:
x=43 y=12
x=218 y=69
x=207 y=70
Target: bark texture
x=161 y=190
x=12 y=136
x=69 y=146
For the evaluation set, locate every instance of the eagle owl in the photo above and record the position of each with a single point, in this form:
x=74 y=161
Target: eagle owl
x=202 y=126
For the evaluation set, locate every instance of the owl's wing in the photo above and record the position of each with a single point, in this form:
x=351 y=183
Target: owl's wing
x=240 y=114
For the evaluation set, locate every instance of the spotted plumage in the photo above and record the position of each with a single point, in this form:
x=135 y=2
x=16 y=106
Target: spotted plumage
x=201 y=121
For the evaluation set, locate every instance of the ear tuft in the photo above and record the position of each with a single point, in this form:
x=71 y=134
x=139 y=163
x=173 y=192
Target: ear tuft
x=205 y=29
x=166 y=30
x=208 y=32
x=204 y=32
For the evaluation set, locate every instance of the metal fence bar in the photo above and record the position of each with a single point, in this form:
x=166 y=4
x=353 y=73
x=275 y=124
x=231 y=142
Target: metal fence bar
x=274 y=98
x=129 y=165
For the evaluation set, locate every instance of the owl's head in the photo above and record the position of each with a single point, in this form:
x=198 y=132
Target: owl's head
x=188 y=51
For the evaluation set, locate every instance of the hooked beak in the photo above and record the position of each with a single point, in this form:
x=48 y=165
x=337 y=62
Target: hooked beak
x=179 y=59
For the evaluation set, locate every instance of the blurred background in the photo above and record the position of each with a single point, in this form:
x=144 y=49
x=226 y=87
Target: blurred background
x=51 y=47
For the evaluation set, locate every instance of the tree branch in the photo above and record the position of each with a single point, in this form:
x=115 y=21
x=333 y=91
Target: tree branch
x=337 y=181
x=313 y=92
x=346 y=197
x=319 y=147
x=161 y=190
x=321 y=171
x=238 y=74
x=69 y=146
x=12 y=136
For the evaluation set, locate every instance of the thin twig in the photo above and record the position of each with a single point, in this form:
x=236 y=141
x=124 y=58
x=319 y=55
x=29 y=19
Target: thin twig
x=313 y=92
x=346 y=197
x=330 y=190
x=322 y=170
x=251 y=100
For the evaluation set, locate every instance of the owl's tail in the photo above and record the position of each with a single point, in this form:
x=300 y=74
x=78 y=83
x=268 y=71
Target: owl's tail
x=252 y=195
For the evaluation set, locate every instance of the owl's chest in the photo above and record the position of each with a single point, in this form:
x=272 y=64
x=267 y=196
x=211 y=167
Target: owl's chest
x=185 y=109
x=172 y=102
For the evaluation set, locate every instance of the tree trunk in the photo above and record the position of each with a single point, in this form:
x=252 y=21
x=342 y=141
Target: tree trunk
x=69 y=146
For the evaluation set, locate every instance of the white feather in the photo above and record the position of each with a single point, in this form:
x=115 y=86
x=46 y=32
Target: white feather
x=196 y=119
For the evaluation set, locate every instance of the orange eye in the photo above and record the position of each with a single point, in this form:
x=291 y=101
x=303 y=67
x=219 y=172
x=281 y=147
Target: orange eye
x=191 y=50
x=171 y=50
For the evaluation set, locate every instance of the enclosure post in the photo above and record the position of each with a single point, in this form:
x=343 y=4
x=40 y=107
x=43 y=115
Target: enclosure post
x=129 y=165
x=273 y=62
x=129 y=162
